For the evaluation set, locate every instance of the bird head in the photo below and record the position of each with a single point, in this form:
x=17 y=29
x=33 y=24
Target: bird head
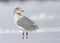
x=18 y=10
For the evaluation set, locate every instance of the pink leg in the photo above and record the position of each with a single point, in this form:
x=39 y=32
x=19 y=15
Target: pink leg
x=23 y=35
x=26 y=35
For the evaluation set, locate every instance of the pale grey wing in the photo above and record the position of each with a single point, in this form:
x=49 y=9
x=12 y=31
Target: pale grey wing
x=27 y=24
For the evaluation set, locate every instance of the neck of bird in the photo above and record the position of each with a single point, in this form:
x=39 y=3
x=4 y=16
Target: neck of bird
x=17 y=16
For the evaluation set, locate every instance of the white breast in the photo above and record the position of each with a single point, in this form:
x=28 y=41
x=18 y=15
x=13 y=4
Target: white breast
x=17 y=17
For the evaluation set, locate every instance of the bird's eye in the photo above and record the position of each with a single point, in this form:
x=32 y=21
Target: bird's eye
x=18 y=13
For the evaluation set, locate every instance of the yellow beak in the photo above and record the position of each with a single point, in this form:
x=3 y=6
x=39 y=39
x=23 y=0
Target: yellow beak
x=22 y=10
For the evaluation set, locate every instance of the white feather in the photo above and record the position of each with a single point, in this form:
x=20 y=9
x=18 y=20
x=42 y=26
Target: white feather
x=17 y=17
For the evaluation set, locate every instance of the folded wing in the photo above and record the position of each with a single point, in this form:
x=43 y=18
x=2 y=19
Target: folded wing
x=27 y=24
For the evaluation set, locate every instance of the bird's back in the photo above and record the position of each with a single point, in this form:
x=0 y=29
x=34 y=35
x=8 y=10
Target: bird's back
x=27 y=24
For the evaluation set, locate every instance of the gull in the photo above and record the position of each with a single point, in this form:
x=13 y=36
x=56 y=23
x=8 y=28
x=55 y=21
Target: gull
x=23 y=23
